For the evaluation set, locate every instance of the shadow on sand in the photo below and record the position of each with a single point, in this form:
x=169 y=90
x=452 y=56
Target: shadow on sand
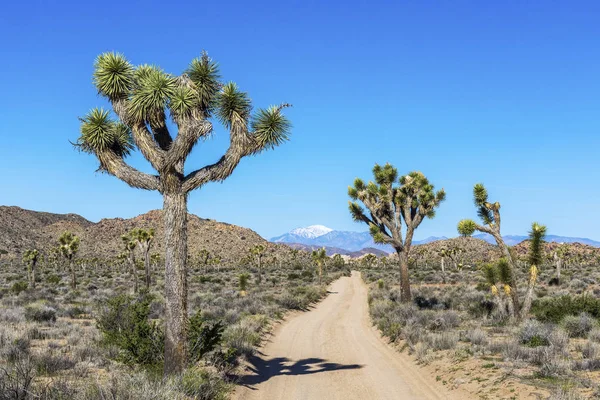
x=264 y=369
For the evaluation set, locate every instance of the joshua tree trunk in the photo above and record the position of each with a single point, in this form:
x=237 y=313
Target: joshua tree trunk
x=515 y=309
x=320 y=273
x=259 y=268
x=133 y=272
x=175 y=219
x=443 y=266
x=33 y=273
x=73 y=276
x=529 y=295
x=405 y=295
x=147 y=266
x=558 y=261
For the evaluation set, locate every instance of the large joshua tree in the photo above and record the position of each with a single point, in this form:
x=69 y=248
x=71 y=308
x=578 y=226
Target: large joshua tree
x=392 y=203
x=144 y=99
x=489 y=213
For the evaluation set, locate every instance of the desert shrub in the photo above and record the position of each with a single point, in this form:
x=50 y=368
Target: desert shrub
x=555 y=309
x=18 y=287
x=75 y=312
x=40 y=314
x=590 y=350
x=53 y=279
x=203 y=384
x=534 y=334
x=203 y=336
x=594 y=335
x=441 y=341
x=564 y=393
x=16 y=379
x=579 y=326
x=49 y=363
x=124 y=323
x=445 y=320
x=477 y=336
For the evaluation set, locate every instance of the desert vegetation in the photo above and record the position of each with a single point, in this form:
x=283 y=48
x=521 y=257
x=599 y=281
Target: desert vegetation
x=505 y=320
x=103 y=339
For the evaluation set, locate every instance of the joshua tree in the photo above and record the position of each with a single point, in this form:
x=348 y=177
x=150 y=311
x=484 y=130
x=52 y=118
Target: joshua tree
x=559 y=255
x=216 y=261
x=489 y=213
x=535 y=257
x=258 y=251
x=143 y=98
x=129 y=245
x=30 y=258
x=338 y=261
x=391 y=203
x=68 y=245
x=319 y=257
x=204 y=257
x=369 y=259
x=144 y=238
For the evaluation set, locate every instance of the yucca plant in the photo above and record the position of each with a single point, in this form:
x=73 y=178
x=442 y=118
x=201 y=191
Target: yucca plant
x=319 y=257
x=500 y=274
x=243 y=283
x=393 y=203
x=143 y=99
x=204 y=257
x=30 y=259
x=257 y=252
x=68 y=246
x=129 y=245
x=144 y=238
x=535 y=259
x=489 y=213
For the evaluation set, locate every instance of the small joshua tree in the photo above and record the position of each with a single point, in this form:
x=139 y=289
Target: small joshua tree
x=30 y=259
x=258 y=252
x=144 y=99
x=144 y=238
x=68 y=245
x=204 y=258
x=489 y=213
x=319 y=257
x=500 y=274
x=392 y=203
x=535 y=258
x=129 y=245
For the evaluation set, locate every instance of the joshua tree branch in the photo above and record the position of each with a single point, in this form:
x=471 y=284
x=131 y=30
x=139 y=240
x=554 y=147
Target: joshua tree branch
x=189 y=133
x=116 y=166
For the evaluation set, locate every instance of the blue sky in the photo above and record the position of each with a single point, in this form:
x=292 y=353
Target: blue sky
x=503 y=93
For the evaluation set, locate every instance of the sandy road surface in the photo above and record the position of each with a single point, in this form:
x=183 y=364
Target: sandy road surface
x=333 y=352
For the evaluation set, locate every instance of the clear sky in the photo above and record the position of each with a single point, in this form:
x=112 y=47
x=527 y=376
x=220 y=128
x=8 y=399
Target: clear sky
x=505 y=93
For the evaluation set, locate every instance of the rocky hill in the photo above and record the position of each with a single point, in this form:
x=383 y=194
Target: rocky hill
x=24 y=229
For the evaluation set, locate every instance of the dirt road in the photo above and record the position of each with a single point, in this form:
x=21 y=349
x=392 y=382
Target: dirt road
x=333 y=352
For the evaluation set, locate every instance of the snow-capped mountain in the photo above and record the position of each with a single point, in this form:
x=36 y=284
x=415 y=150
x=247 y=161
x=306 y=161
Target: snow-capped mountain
x=319 y=235
x=311 y=232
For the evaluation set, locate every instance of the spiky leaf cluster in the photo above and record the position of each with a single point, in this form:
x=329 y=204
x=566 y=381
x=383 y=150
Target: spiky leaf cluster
x=30 y=256
x=270 y=127
x=113 y=75
x=100 y=134
x=142 y=235
x=480 y=198
x=319 y=256
x=536 y=240
x=498 y=272
x=204 y=73
x=68 y=244
x=466 y=227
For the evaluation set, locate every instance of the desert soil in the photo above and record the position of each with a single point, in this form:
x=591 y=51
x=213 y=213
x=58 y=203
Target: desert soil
x=333 y=352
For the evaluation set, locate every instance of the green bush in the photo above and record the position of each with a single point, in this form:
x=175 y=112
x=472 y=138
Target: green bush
x=53 y=279
x=124 y=323
x=203 y=336
x=19 y=287
x=555 y=309
x=40 y=314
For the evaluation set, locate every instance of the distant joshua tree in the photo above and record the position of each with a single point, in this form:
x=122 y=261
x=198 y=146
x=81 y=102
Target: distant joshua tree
x=144 y=98
x=129 y=245
x=392 y=203
x=258 y=252
x=68 y=245
x=30 y=259
x=204 y=257
x=144 y=238
x=319 y=257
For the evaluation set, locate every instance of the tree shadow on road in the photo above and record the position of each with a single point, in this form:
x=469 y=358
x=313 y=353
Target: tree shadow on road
x=264 y=369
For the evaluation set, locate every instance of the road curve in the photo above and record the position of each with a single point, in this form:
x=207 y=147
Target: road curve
x=333 y=352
